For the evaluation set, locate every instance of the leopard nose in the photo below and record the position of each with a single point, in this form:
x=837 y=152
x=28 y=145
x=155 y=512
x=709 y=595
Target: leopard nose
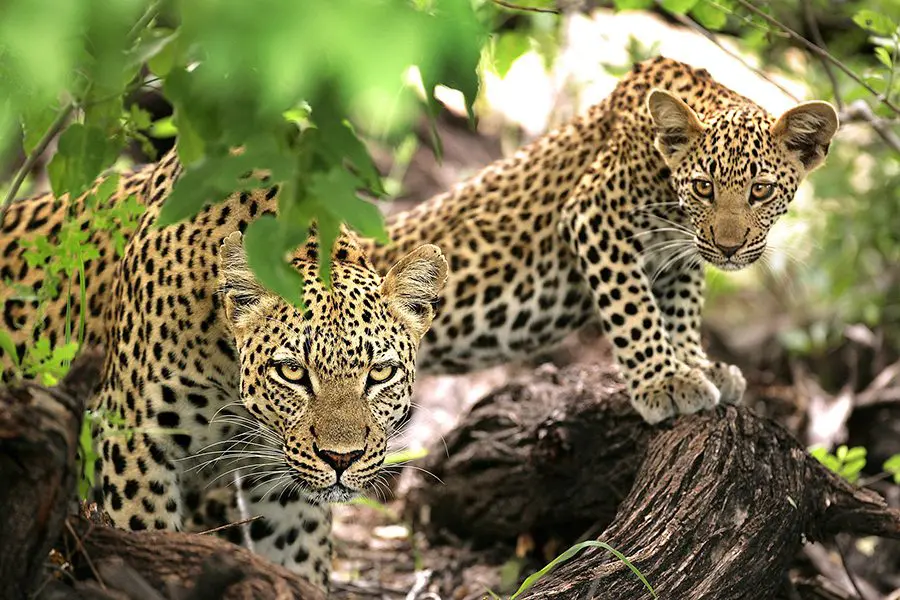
x=729 y=251
x=339 y=461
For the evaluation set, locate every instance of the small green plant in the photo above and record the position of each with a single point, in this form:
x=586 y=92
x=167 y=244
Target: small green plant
x=892 y=468
x=846 y=462
x=568 y=555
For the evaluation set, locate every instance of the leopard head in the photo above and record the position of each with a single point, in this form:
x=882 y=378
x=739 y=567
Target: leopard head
x=736 y=169
x=329 y=382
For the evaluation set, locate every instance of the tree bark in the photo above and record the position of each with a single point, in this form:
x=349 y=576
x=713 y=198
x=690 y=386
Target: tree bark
x=39 y=430
x=710 y=506
x=176 y=565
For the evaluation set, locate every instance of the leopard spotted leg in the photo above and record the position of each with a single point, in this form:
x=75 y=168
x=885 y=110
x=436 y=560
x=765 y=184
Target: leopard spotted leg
x=660 y=384
x=140 y=485
x=293 y=531
x=679 y=294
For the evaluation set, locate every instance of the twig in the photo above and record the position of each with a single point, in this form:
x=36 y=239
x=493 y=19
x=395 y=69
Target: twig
x=32 y=158
x=230 y=525
x=813 y=26
x=145 y=19
x=850 y=576
x=84 y=553
x=819 y=52
x=688 y=22
x=872 y=393
x=512 y=6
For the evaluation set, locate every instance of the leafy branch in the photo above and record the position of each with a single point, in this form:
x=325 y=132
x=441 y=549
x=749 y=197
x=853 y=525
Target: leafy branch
x=820 y=52
x=58 y=124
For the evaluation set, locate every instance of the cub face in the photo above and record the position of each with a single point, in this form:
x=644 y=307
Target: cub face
x=736 y=170
x=329 y=383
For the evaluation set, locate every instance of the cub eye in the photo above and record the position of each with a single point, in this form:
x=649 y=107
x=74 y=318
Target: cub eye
x=381 y=373
x=703 y=188
x=761 y=191
x=291 y=372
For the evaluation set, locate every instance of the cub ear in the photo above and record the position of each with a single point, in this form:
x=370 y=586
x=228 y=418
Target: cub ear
x=413 y=284
x=807 y=130
x=677 y=125
x=236 y=281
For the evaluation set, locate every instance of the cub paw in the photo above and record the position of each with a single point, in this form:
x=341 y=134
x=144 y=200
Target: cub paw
x=683 y=392
x=729 y=380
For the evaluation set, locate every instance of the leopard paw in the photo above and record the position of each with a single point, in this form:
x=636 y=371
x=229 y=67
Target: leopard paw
x=729 y=380
x=682 y=392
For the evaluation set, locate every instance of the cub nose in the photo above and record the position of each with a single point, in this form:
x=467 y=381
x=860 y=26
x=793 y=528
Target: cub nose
x=339 y=461
x=729 y=251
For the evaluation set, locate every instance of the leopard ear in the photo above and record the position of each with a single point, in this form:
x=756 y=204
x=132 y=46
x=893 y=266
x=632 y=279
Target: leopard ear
x=413 y=285
x=807 y=130
x=677 y=125
x=237 y=283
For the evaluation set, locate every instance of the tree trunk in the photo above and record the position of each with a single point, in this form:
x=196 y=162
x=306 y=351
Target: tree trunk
x=39 y=430
x=712 y=506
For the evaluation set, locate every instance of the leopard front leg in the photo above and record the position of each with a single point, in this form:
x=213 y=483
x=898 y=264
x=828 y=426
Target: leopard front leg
x=292 y=531
x=596 y=225
x=140 y=486
x=679 y=293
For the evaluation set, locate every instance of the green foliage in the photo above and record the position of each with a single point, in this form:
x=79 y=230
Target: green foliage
x=236 y=73
x=48 y=364
x=569 y=554
x=846 y=462
x=892 y=467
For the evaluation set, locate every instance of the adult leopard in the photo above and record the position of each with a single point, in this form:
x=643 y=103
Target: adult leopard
x=611 y=217
x=206 y=371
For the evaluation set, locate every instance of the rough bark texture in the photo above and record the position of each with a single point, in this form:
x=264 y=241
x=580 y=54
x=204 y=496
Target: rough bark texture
x=715 y=505
x=551 y=455
x=39 y=430
x=175 y=565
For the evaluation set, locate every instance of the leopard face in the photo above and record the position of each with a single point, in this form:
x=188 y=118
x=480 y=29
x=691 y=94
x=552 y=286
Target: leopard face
x=328 y=383
x=735 y=171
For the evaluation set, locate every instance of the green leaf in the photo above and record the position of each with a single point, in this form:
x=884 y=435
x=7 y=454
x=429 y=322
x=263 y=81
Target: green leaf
x=212 y=179
x=189 y=145
x=569 y=554
x=158 y=50
x=163 y=128
x=508 y=46
x=884 y=57
x=632 y=4
x=338 y=139
x=336 y=193
x=36 y=120
x=709 y=15
x=875 y=22
x=679 y=7
x=267 y=241
x=892 y=466
x=9 y=347
x=82 y=154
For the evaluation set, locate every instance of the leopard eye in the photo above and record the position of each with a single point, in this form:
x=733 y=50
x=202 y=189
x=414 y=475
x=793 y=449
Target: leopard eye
x=381 y=373
x=703 y=188
x=291 y=372
x=761 y=191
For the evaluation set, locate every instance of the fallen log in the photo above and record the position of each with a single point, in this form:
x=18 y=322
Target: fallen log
x=39 y=434
x=710 y=506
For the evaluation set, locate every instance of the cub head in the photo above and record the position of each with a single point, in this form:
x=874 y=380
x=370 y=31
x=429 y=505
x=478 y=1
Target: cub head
x=330 y=382
x=736 y=169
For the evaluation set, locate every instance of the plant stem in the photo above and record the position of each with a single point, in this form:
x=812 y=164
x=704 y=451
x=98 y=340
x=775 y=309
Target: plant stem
x=512 y=6
x=32 y=158
x=820 y=52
